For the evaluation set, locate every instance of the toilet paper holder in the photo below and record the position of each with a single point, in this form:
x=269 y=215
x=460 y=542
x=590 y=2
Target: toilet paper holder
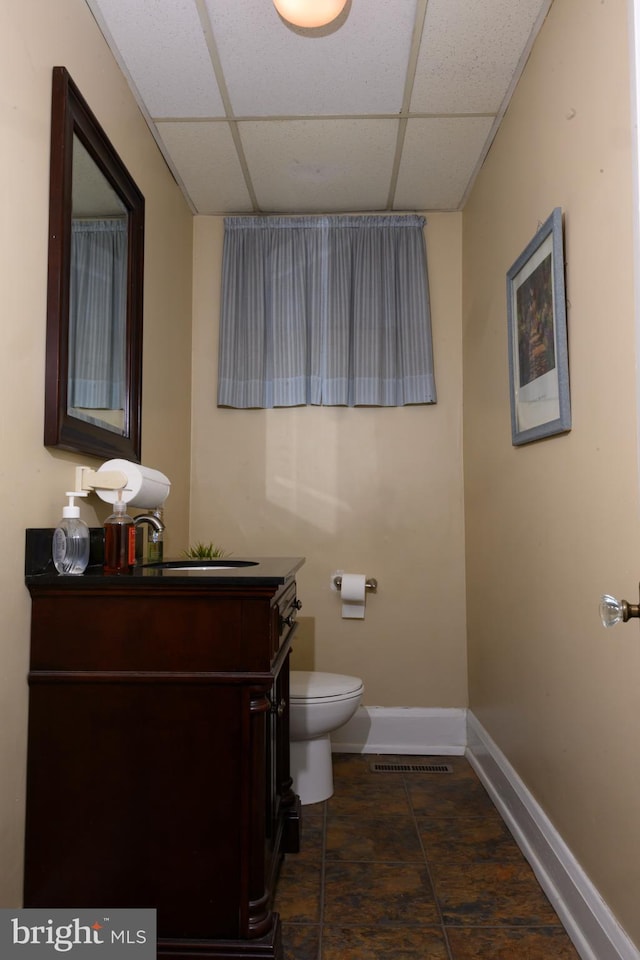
x=370 y=584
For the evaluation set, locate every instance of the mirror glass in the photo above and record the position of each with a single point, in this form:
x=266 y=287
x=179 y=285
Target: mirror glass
x=97 y=297
x=94 y=321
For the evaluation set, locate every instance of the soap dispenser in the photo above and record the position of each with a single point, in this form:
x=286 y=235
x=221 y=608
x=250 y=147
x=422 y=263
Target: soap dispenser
x=70 y=544
x=155 y=543
x=119 y=540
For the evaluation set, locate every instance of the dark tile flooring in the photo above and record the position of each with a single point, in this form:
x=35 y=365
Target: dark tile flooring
x=412 y=866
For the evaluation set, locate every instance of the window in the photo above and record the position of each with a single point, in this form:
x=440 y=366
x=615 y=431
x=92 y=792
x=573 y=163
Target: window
x=325 y=310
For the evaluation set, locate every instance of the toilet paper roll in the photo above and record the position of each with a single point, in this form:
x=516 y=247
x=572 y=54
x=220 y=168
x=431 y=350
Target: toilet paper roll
x=353 y=591
x=145 y=487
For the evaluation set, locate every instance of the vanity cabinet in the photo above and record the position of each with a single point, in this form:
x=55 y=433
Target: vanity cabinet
x=158 y=755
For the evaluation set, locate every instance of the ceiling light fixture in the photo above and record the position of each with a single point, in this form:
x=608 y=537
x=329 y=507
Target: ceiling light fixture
x=309 y=13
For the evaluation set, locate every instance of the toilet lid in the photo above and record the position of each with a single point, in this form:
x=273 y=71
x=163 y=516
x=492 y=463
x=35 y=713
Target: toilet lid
x=312 y=685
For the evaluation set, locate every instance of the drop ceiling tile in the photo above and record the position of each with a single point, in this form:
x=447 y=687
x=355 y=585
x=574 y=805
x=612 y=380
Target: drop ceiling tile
x=469 y=53
x=271 y=70
x=163 y=49
x=205 y=160
x=438 y=160
x=314 y=166
x=328 y=138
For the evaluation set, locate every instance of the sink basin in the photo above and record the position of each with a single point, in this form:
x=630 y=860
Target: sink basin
x=197 y=564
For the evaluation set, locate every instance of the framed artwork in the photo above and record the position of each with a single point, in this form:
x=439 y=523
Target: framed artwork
x=537 y=333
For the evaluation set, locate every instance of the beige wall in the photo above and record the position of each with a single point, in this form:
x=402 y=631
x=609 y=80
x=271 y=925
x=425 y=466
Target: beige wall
x=364 y=490
x=553 y=525
x=35 y=35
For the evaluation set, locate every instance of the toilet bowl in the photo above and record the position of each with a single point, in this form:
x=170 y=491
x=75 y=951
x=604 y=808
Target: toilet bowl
x=319 y=704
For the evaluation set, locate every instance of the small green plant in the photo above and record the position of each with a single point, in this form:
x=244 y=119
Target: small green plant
x=204 y=551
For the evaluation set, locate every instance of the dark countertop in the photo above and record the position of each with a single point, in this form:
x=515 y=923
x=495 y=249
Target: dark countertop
x=263 y=571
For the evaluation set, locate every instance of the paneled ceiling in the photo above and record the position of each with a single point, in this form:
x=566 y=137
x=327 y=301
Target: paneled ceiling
x=393 y=107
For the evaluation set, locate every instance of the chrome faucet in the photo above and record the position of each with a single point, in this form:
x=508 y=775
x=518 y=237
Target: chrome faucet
x=154 y=539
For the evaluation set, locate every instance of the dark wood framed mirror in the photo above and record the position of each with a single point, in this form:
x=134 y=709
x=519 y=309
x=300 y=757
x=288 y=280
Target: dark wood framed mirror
x=93 y=377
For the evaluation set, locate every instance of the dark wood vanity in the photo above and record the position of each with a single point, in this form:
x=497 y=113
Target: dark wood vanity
x=158 y=763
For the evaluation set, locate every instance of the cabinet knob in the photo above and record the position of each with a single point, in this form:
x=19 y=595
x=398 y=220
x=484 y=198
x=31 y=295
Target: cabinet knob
x=297 y=604
x=279 y=708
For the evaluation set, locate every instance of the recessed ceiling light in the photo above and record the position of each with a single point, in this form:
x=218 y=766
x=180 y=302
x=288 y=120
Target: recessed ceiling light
x=309 y=13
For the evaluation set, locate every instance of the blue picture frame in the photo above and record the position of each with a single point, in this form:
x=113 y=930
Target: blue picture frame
x=537 y=336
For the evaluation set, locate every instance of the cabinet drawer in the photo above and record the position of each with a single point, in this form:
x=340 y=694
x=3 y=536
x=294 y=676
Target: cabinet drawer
x=162 y=633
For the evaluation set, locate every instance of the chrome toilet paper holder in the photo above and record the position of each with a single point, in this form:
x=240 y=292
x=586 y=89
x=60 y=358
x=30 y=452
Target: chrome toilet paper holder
x=370 y=584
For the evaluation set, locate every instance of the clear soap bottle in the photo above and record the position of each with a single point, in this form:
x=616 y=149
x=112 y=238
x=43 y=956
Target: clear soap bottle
x=119 y=541
x=70 y=544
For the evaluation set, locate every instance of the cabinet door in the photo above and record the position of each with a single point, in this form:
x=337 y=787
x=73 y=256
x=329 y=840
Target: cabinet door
x=134 y=798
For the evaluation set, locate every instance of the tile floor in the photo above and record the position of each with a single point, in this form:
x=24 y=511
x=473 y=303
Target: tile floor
x=412 y=866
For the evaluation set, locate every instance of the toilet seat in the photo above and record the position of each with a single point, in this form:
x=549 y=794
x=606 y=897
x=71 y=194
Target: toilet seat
x=315 y=687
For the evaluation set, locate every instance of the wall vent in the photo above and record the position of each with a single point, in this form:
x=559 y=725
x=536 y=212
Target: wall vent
x=411 y=768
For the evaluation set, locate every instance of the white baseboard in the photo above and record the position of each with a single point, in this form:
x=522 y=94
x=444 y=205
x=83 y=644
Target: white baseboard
x=594 y=930
x=403 y=730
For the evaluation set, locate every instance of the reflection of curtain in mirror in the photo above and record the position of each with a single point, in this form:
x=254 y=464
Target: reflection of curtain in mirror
x=97 y=314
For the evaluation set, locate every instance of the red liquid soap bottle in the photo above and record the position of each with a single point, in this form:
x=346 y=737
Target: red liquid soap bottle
x=119 y=540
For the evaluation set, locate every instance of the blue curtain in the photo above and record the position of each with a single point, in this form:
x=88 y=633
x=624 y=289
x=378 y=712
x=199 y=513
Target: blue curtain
x=325 y=310
x=98 y=314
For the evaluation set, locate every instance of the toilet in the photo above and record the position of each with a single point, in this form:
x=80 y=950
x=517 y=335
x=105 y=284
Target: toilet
x=319 y=703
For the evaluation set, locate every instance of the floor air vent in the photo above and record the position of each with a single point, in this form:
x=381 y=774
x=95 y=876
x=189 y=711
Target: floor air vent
x=411 y=768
